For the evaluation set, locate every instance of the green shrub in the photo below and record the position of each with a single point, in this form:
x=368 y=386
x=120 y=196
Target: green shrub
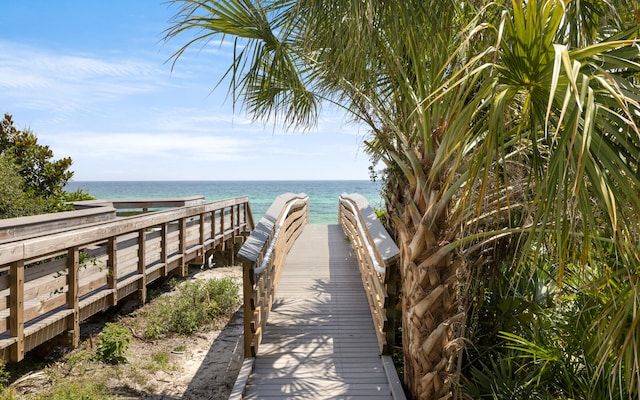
x=42 y=178
x=8 y=394
x=15 y=202
x=113 y=344
x=197 y=304
x=82 y=389
x=159 y=361
x=78 y=195
x=161 y=358
x=78 y=360
x=4 y=375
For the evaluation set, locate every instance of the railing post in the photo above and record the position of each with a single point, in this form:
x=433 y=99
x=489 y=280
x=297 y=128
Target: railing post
x=213 y=226
x=142 y=266
x=222 y=216
x=16 y=313
x=183 y=247
x=202 y=253
x=73 y=298
x=233 y=222
x=248 y=310
x=211 y=231
x=248 y=217
x=164 y=250
x=231 y=250
x=202 y=232
x=112 y=269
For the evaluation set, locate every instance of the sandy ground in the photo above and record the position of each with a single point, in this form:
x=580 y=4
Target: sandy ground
x=207 y=369
x=203 y=366
x=210 y=364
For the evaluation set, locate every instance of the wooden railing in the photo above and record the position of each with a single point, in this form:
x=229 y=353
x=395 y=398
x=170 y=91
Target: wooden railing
x=86 y=212
x=262 y=256
x=377 y=257
x=127 y=207
x=49 y=284
x=12 y=229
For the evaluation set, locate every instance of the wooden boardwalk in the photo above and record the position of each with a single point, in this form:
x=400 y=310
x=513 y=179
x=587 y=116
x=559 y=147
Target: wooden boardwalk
x=320 y=341
x=58 y=270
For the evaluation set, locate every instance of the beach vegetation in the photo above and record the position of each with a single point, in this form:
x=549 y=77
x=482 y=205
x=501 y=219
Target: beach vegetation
x=78 y=389
x=508 y=138
x=77 y=195
x=34 y=180
x=196 y=304
x=113 y=344
x=14 y=201
x=4 y=375
x=120 y=361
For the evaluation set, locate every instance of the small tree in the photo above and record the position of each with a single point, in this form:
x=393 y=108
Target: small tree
x=42 y=178
x=14 y=202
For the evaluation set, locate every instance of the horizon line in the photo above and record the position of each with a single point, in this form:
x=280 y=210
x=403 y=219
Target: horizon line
x=217 y=180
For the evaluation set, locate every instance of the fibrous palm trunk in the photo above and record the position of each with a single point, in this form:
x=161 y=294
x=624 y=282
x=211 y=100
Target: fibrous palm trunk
x=433 y=318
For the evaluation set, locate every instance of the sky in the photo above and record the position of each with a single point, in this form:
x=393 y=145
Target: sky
x=91 y=79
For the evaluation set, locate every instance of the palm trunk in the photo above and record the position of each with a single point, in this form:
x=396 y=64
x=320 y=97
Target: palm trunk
x=432 y=316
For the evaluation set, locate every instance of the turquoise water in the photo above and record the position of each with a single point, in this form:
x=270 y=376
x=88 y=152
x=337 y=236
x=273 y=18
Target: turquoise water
x=323 y=195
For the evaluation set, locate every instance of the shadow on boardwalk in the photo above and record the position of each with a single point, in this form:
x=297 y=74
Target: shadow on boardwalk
x=320 y=341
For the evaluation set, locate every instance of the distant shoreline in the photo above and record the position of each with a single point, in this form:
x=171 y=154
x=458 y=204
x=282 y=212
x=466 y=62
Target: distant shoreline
x=224 y=180
x=323 y=194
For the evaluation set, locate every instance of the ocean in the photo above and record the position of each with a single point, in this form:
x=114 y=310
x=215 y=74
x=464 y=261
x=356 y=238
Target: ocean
x=323 y=195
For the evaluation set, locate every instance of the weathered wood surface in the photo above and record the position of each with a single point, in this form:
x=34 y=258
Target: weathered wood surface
x=49 y=284
x=140 y=203
x=263 y=255
x=377 y=256
x=13 y=229
x=376 y=233
x=86 y=212
x=253 y=247
x=320 y=341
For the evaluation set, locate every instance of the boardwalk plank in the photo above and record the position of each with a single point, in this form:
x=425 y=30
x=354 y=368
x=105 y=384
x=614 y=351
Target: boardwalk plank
x=319 y=342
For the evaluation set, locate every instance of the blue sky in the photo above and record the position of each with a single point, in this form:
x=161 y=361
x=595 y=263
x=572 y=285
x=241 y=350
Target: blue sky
x=89 y=78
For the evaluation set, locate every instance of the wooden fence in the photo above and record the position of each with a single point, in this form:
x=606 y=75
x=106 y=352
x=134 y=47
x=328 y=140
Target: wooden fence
x=49 y=284
x=262 y=257
x=377 y=257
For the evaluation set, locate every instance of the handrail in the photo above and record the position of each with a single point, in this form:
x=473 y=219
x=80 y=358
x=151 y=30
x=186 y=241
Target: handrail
x=32 y=248
x=262 y=256
x=372 y=254
x=21 y=228
x=49 y=284
x=377 y=236
x=152 y=202
x=377 y=257
x=269 y=253
x=85 y=212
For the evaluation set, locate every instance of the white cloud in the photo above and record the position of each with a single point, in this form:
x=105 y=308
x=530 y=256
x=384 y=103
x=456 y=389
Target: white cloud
x=127 y=117
x=38 y=78
x=126 y=145
x=185 y=119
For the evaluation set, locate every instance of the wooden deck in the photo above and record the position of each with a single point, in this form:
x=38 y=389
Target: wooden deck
x=58 y=271
x=320 y=341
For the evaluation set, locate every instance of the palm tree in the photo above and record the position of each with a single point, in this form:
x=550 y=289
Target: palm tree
x=506 y=133
x=562 y=115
